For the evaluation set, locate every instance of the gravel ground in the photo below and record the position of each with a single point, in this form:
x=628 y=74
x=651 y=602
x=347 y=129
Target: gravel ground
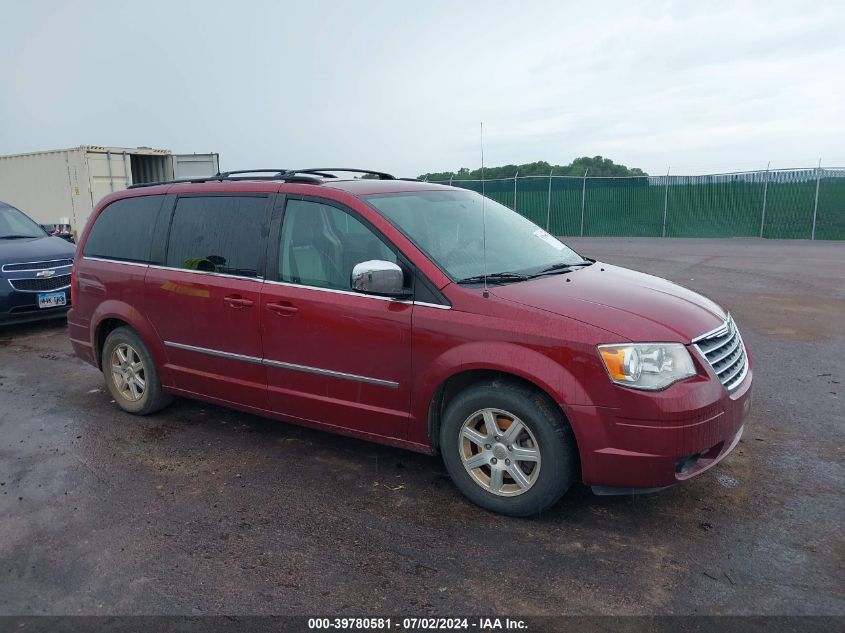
x=202 y=510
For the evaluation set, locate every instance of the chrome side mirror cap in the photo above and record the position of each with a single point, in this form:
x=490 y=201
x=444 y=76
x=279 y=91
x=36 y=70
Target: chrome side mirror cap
x=378 y=277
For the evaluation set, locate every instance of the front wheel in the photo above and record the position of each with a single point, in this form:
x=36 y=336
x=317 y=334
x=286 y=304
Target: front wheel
x=131 y=375
x=508 y=448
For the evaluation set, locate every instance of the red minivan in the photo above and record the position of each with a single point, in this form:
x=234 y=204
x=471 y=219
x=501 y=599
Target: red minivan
x=414 y=314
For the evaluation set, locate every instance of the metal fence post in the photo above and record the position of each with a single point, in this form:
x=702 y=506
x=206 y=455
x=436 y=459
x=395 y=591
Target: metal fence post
x=765 y=192
x=514 y=189
x=583 y=199
x=816 y=204
x=450 y=179
x=666 y=201
x=549 y=206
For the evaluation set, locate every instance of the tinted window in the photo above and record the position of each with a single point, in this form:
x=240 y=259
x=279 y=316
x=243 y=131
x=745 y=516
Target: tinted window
x=218 y=234
x=124 y=230
x=321 y=244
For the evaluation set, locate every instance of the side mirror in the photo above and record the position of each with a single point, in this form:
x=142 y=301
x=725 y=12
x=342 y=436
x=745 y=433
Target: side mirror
x=378 y=277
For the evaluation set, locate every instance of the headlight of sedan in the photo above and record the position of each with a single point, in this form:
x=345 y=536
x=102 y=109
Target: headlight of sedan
x=650 y=366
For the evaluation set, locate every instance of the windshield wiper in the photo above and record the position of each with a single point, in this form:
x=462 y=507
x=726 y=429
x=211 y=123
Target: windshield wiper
x=17 y=237
x=562 y=267
x=494 y=277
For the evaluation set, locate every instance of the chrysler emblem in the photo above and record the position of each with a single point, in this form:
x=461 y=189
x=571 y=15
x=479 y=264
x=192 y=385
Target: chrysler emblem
x=45 y=273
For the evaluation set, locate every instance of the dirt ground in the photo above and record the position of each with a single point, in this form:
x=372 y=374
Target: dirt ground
x=202 y=510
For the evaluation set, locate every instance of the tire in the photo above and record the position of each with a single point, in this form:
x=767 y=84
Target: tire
x=544 y=443
x=135 y=385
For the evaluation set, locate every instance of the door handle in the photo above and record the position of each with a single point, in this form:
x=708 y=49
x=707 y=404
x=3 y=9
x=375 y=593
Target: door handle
x=283 y=307
x=236 y=301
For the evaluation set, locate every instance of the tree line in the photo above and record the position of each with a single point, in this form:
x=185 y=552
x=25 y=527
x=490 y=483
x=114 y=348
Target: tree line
x=594 y=166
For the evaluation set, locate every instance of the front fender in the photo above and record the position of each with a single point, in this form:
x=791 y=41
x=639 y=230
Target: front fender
x=545 y=372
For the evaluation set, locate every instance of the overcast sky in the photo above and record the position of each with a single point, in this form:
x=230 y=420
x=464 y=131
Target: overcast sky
x=402 y=86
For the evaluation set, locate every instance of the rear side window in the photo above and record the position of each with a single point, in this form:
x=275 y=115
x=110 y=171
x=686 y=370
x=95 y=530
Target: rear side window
x=219 y=234
x=124 y=230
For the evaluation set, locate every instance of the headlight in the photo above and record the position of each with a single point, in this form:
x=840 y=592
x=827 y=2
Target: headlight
x=649 y=366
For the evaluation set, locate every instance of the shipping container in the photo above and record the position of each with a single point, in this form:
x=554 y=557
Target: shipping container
x=195 y=165
x=63 y=186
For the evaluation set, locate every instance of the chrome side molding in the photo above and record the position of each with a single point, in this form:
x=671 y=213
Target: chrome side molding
x=282 y=365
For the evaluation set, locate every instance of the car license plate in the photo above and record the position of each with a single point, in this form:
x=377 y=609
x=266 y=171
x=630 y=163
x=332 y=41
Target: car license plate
x=51 y=299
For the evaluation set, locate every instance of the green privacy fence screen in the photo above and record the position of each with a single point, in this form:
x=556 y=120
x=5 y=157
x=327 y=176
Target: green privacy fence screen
x=788 y=203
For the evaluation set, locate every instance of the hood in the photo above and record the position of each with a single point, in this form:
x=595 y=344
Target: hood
x=35 y=249
x=632 y=305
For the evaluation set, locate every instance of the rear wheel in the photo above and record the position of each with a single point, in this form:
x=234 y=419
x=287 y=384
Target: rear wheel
x=130 y=374
x=508 y=448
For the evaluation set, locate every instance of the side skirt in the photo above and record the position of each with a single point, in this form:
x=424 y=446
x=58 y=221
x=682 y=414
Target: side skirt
x=320 y=426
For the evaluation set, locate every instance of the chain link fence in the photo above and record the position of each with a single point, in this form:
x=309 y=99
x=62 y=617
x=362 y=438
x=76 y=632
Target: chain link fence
x=784 y=203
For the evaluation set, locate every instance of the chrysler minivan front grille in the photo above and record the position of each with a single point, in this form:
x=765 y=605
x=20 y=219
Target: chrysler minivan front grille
x=724 y=350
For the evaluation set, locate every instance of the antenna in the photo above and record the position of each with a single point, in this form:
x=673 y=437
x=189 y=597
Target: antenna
x=486 y=292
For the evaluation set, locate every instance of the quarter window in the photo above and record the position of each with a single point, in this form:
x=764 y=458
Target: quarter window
x=124 y=230
x=219 y=234
x=321 y=245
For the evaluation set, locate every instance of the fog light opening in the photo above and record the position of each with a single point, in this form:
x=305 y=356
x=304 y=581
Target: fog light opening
x=685 y=464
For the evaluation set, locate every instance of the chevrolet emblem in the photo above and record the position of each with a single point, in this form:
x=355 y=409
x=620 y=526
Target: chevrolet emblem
x=45 y=273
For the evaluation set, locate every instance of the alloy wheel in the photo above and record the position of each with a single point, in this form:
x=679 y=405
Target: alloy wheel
x=128 y=373
x=499 y=452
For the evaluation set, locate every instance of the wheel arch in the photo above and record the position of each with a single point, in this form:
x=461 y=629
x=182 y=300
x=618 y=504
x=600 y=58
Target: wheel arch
x=462 y=380
x=463 y=365
x=459 y=381
x=111 y=315
x=101 y=333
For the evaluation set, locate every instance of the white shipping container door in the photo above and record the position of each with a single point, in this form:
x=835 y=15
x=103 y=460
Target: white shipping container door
x=195 y=165
x=108 y=172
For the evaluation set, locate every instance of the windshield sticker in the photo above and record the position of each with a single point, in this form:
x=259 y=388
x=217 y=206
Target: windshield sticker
x=548 y=239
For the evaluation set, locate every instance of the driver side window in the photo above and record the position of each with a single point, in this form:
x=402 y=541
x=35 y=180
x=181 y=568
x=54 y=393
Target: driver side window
x=320 y=244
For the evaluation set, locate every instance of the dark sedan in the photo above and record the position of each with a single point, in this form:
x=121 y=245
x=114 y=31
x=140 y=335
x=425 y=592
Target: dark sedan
x=34 y=269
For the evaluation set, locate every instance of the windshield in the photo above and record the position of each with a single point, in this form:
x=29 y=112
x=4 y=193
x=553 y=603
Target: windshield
x=14 y=224
x=447 y=226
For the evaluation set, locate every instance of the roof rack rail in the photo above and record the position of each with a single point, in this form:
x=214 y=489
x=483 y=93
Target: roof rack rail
x=309 y=176
x=138 y=185
x=237 y=174
x=324 y=172
x=285 y=175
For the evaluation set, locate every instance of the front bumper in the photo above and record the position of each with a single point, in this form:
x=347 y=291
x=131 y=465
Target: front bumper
x=22 y=307
x=19 y=290
x=620 y=453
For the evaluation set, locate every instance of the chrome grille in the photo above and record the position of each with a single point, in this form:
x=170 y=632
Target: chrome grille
x=56 y=263
x=724 y=350
x=40 y=285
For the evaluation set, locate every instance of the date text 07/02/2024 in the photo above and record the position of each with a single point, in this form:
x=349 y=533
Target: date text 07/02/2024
x=416 y=623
